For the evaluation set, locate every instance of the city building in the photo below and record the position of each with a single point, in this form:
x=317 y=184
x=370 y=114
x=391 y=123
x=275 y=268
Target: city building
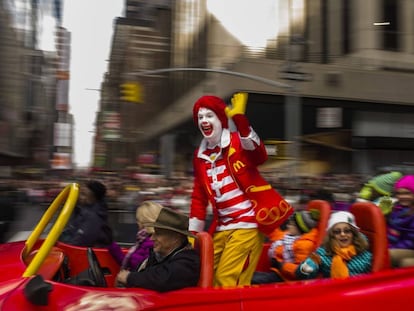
x=33 y=88
x=332 y=89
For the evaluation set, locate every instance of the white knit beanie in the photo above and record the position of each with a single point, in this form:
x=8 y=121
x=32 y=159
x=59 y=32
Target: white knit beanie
x=341 y=216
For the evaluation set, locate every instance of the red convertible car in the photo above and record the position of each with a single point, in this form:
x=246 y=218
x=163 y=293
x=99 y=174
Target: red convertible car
x=32 y=273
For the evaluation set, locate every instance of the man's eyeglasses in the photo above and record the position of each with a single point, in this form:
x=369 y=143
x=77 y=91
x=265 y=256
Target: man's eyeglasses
x=344 y=231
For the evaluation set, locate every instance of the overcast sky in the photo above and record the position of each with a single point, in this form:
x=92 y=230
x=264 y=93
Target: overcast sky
x=90 y=23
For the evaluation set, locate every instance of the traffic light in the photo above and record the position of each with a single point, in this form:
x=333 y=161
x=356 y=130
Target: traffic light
x=131 y=92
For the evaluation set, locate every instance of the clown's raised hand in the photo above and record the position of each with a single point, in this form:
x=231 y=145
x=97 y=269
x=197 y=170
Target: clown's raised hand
x=238 y=105
x=236 y=112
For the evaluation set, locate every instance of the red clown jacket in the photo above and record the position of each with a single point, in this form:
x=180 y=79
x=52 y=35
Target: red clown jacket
x=270 y=208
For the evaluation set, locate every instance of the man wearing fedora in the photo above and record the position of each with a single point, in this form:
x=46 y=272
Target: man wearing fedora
x=173 y=263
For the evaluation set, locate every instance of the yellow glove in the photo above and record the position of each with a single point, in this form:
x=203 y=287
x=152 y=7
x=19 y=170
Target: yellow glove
x=238 y=105
x=385 y=204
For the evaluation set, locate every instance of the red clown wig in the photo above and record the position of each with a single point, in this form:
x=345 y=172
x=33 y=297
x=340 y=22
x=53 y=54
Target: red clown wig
x=213 y=103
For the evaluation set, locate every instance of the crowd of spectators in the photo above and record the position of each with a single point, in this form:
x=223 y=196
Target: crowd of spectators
x=125 y=194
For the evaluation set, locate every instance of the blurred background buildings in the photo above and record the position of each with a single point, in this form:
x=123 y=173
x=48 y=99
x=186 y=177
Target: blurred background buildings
x=341 y=101
x=348 y=106
x=35 y=126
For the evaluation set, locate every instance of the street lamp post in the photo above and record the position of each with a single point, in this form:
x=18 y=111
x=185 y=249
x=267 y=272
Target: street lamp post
x=222 y=71
x=293 y=108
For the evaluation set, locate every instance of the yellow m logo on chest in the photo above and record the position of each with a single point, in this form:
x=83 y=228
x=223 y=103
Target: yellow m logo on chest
x=238 y=165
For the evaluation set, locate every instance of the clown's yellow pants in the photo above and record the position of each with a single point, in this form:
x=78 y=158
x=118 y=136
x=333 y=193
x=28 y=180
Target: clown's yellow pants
x=236 y=254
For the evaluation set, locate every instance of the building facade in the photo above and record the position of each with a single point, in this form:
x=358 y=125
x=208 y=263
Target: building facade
x=342 y=91
x=33 y=87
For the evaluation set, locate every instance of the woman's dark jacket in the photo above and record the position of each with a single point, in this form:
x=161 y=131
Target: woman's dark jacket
x=88 y=226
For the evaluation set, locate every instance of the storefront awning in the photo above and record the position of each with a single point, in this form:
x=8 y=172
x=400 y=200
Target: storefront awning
x=340 y=140
x=298 y=168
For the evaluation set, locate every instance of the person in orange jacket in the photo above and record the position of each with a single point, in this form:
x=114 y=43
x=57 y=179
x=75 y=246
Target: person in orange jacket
x=290 y=247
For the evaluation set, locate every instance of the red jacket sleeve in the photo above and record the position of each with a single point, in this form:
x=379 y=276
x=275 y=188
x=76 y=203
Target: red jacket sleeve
x=199 y=196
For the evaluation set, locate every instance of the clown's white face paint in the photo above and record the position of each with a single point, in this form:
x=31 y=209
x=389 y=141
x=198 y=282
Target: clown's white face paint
x=210 y=126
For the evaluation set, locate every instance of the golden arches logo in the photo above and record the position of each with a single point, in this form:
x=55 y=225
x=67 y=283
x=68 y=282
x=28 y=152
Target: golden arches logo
x=238 y=165
x=270 y=215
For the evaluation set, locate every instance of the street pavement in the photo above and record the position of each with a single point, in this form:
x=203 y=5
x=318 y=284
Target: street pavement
x=28 y=216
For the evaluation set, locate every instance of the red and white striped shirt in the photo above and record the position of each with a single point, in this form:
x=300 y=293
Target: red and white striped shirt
x=234 y=209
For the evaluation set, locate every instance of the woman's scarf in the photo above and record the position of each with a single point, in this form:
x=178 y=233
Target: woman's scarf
x=141 y=236
x=339 y=268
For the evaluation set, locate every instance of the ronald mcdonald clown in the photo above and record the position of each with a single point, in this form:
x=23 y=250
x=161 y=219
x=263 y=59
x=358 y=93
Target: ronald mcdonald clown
x=244 y=205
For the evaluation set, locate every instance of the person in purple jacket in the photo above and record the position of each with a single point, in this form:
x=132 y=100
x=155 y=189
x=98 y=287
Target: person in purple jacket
x=400 y=223
x=173 y=263
x=146 y=212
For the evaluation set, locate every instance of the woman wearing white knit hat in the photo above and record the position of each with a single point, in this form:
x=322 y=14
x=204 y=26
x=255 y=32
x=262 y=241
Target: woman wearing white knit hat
x=344 y=252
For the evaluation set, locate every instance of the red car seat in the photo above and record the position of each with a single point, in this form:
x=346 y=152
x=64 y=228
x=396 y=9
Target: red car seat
x=324 y=209
x=204 y=245
x=371 y=221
